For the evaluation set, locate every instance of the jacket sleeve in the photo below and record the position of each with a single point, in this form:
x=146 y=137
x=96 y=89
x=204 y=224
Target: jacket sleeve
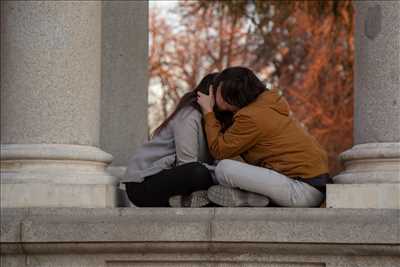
x=186 y=131
x=241 y=136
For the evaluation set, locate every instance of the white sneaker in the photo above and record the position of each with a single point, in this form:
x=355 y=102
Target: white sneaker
x=196 y=199
x=233 y=197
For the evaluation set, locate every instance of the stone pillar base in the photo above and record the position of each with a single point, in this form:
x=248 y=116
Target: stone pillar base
x=119 y=171
x=371 y=178
x=56 y=175
x=368 y=196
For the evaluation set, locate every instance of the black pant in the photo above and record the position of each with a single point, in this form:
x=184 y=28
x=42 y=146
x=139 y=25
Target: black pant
x=155 y=190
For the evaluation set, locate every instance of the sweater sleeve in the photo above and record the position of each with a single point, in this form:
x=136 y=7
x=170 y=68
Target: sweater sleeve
x=186 y=134
x=241 y=136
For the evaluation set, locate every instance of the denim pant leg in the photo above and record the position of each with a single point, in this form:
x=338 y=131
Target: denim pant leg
x=281 y=189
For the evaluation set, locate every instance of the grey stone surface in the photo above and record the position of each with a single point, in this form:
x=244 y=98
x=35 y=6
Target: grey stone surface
x=134 y=225
x=51 y=175
x=377 y=72
x=372 y=163
x=20 y=195
x=124 y=78
x=10 y=224
x=205 y=247
x=50 y=72
x=272 y=225
x=50 y=106
x=201 y=237
x=306 y=225
x=372 y=171
x=363 y=196
x=204 y=260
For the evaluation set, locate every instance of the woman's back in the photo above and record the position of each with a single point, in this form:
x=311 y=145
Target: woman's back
x=181 y=141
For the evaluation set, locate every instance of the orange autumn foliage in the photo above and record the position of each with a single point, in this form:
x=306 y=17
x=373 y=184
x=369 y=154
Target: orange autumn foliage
x=303 y=47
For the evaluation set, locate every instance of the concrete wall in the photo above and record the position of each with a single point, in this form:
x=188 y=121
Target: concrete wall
x=124 y=78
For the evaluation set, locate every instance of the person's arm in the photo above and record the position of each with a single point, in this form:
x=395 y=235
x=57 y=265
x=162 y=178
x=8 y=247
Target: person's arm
x=186 y=129
x=241 y=136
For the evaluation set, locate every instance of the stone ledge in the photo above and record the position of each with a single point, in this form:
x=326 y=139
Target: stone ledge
x=201 y=247
x=263 y=225
x=199 y=237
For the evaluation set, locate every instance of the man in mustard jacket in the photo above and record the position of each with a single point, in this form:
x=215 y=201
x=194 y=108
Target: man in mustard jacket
x=283 y=162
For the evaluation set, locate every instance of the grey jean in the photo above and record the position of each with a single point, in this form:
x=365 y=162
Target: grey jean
x=281 y=189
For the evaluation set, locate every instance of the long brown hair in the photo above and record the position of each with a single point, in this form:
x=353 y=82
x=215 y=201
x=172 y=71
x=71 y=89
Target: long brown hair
x=189 y=99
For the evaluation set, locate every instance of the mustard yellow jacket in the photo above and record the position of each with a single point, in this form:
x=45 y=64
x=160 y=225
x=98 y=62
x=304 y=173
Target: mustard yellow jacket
x=265 y=134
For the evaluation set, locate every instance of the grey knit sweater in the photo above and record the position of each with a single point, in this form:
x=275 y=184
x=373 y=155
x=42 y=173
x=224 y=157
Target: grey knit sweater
x=181 y=141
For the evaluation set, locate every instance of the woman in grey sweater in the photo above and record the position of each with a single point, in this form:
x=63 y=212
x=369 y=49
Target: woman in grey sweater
x=175 y=161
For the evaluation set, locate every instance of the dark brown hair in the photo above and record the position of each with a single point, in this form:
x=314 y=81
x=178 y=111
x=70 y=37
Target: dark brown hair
x=189 y=99
x=239 y=86
x=224 y=117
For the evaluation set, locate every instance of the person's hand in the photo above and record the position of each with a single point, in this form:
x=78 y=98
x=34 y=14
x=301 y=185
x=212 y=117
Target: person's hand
x=206 y=102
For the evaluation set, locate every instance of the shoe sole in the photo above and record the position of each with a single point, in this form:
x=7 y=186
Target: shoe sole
x=197 y=199
x=232 y=197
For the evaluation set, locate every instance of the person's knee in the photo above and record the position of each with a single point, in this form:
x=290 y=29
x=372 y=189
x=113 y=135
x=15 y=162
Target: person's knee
x=135 y=193
x=200 y=175
x=223 y=168
x=199 y=170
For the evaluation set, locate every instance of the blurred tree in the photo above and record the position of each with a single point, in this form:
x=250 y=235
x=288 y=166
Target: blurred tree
x=180 y=56
x=303 y=47
x=309 y=47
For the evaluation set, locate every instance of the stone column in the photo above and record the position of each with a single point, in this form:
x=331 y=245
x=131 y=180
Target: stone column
x=124 y=80
x=372 y=167
x=50 y=106
x=124 y=84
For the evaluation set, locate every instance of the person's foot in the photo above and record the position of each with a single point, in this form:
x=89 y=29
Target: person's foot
x=233 y=197
x=196 y=199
